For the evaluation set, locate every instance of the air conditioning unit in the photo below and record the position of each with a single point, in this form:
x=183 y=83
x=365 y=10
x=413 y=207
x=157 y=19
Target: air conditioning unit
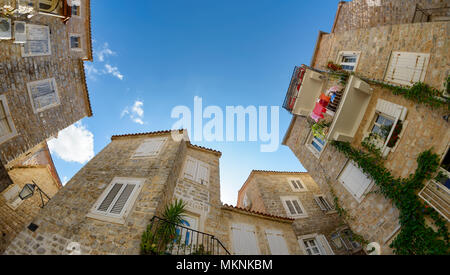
x=5 y=28
x=20 y=32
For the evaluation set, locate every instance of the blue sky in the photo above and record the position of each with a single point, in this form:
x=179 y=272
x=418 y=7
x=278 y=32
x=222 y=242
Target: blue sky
x=156 y=55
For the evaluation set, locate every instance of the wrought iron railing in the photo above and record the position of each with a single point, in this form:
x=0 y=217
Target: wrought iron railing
x=427 y=15
x=167 y=238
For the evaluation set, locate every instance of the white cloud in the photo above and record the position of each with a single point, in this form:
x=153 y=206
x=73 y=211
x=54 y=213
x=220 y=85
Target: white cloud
x=74 y=144
x=104 y=52
x=135 y=112
x=91 y=71
x=114 y=71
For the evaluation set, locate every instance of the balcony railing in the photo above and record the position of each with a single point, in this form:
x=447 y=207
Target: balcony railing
x=437 y=195
x=174 y=239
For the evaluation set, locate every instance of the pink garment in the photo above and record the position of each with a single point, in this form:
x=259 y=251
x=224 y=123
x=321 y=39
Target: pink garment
x=335 y=89
x=315 y=117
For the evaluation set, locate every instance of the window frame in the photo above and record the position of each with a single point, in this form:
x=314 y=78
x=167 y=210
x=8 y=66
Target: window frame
x=11 y=196
x=147 y=140
x=33 y=83
x=128 y=206
x=291 y=184
x=321 y=242
x=196 y=176
x=342 y=54
x=284 y=200
x=28 y=26
x=78 y=9
x=324 y=205
x=13 y=133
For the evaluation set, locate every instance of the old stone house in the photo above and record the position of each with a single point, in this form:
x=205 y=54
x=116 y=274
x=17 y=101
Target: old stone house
x=108 y=204
x=43 y=46
x=386 y=43
x=296 y=195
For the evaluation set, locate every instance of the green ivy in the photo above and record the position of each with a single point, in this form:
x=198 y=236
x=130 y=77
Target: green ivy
x=415 y=236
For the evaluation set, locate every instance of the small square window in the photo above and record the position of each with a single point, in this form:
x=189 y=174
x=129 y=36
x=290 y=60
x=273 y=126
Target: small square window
x=75 y=42
x=297 y=185
x=294 y=207
x=75 y=10
x=348 y=60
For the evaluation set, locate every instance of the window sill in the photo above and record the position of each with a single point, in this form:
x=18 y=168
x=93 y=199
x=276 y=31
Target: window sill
x=104 y=218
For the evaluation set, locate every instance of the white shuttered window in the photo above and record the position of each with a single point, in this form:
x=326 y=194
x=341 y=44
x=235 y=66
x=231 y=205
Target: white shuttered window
x=406 y=68
x=196 y=170
x=293 y=207
x=37 y=42
x=244 y=239
x=43 y=94
x=297 y=185
x=150 y=147
x=117 y=200
x=277 y=243
x=355 y=181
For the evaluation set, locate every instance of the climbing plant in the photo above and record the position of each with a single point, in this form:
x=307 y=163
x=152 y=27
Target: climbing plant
x=415 y=236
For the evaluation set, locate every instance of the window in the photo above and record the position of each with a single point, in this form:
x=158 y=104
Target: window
x=277 y=243
x=406 y=68
x=75 y=10
x=297 y=185
x=348 y=60
x=37 y=42
x=355 y=181
x=12 y=198
x=294 y=207
x=7 y=129
x=315 y=145
x=149 y=148
x=382 y=125
x=244 y=239
x=43 y=94
x=117 y=200
x=322 y=202
x=315 y=244
x=188 y=236
x=75 y=42
x=344 y=239
x=196 y=170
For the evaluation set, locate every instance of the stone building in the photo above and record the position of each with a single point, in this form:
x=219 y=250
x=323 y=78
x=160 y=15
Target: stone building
x=296 y=195
x=42 y=91
x=373 y=46
x=108 y=204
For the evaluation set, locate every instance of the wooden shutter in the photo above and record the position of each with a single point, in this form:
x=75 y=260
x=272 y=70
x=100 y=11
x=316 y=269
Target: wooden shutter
x=320 y=204
x=290 y=207
x=202 y=175
x=150 y=147
x=118 y=198
x=190 y=168
x=406 y=68
x=244 y=239
x=294 y=184
x=277 y=243
x=5 y=128
x=355 y=180
x=391 y=109
x=297 y=207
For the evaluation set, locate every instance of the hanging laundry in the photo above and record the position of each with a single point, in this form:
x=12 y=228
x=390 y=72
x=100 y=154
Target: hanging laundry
x=319 y=109
x=315 y=117
x=323 y=103
x=324 y=97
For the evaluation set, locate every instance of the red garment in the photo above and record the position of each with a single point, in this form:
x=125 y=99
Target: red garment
x=319 y=109
x=323 y=103
x=325 y=98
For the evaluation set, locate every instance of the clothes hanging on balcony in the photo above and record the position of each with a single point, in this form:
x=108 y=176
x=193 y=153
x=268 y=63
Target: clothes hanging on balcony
x=315 y=117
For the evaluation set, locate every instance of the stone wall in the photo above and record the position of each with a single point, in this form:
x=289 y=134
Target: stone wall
x=64 y=218
x=273 y=185
x=80 y=25
x=230 y=215
x=12 y=221
x=376 y=45
x=363 y=14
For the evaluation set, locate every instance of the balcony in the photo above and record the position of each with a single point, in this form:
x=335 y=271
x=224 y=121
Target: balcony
x=166 y=238
x=437 y=194
x=304 y=90
x=351 y=110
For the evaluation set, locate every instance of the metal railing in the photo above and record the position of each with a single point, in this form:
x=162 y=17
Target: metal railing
x=428 y=15
x=167 y=238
